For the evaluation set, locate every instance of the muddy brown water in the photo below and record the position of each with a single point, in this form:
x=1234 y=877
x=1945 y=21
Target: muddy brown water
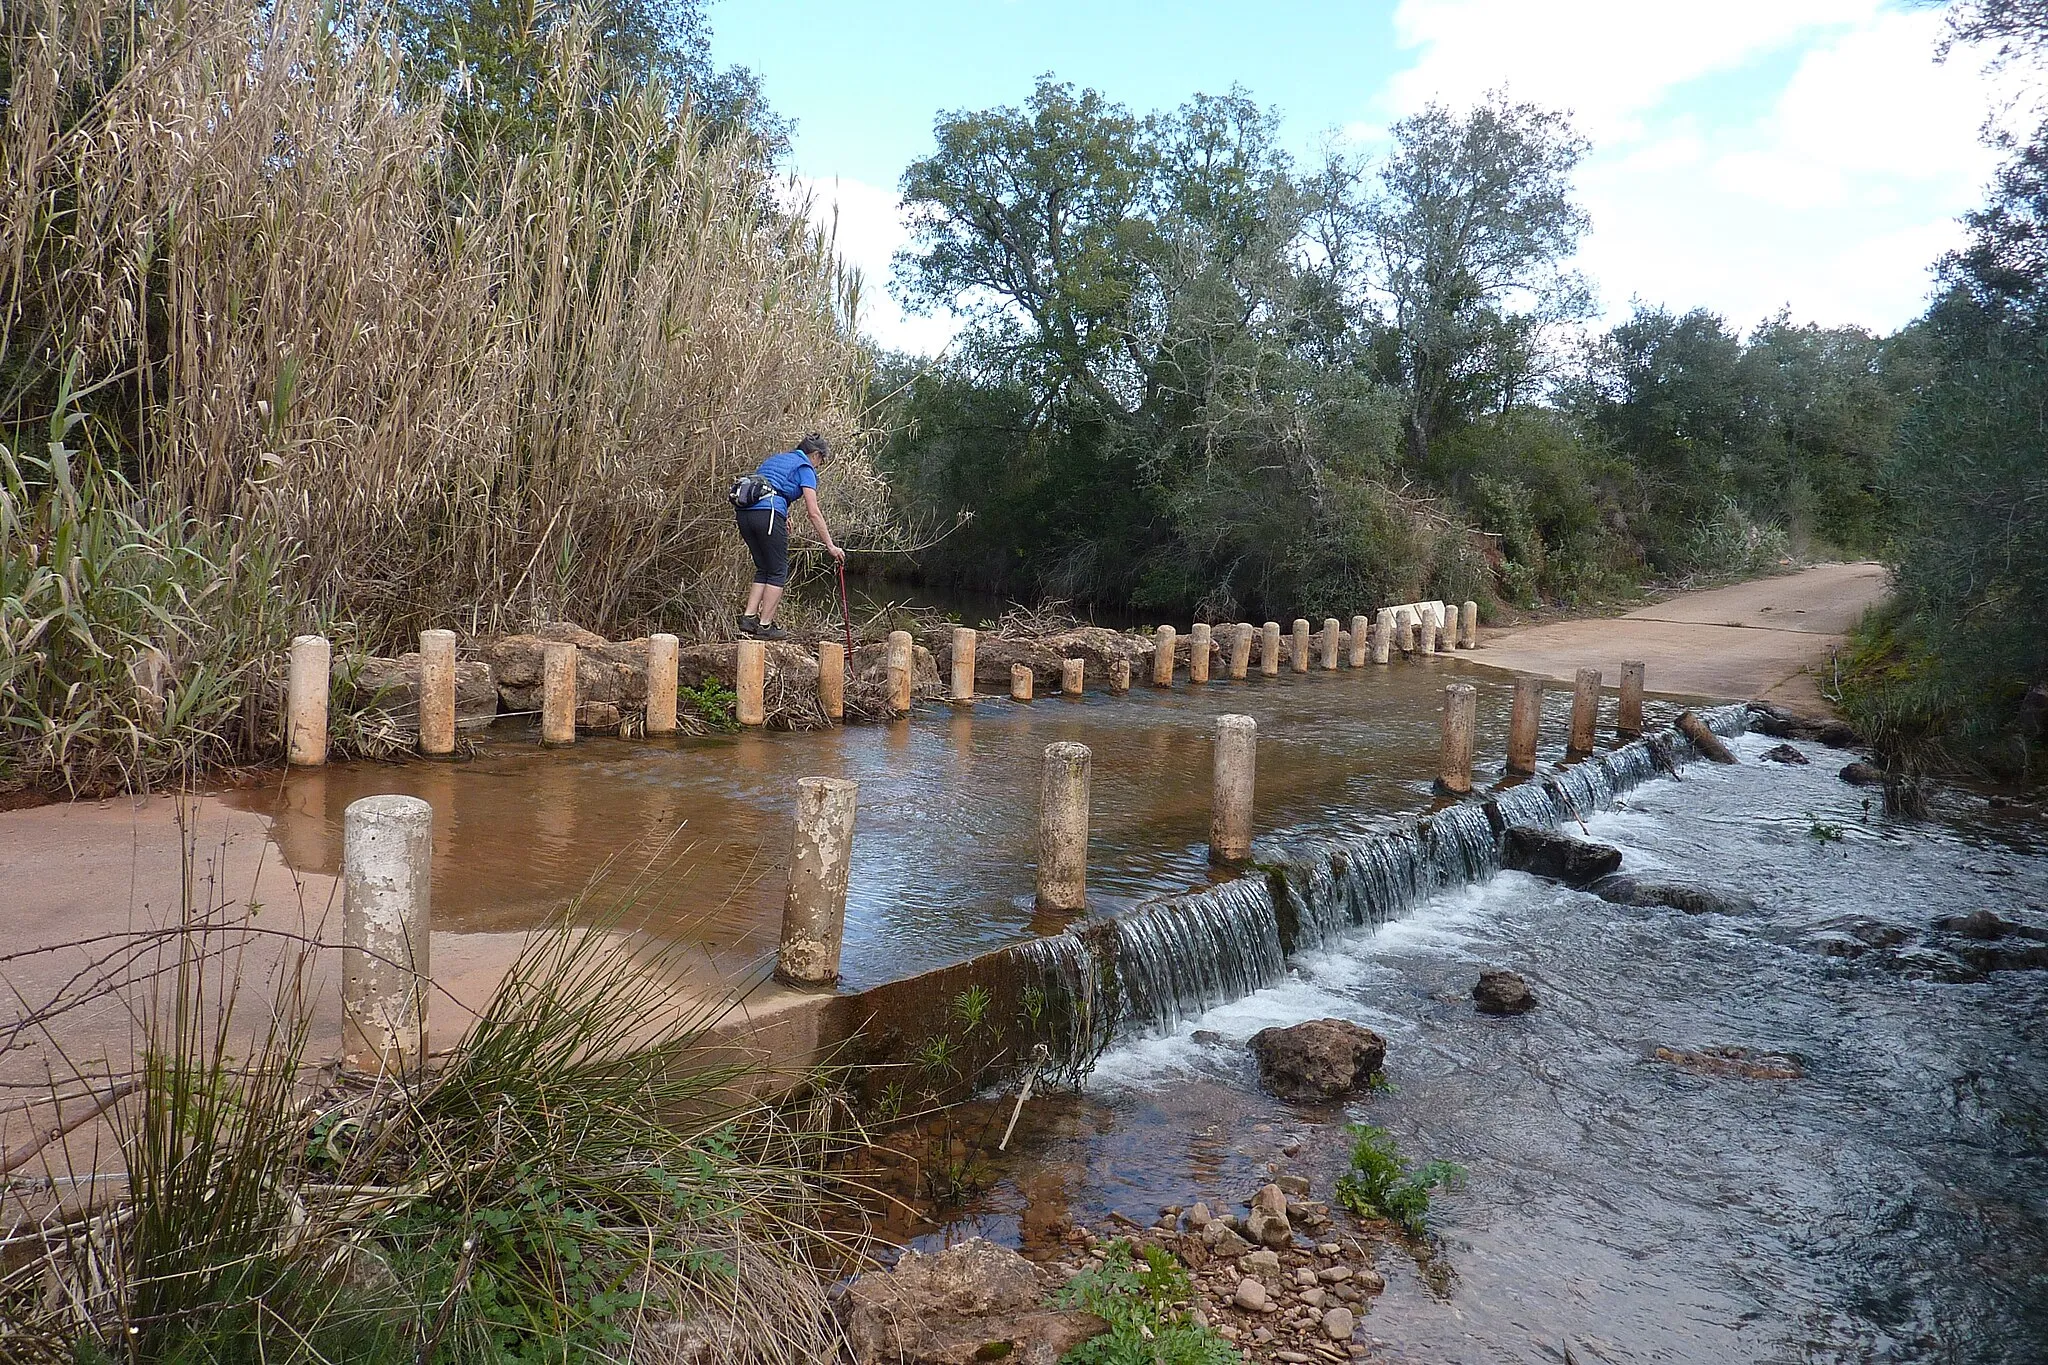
x=946 y=836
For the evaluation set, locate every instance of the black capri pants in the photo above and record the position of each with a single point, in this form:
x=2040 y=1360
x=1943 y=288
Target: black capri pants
x=767 y=535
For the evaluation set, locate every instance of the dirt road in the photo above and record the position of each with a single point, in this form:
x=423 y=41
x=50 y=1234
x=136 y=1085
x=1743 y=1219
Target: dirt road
x=1766 y=640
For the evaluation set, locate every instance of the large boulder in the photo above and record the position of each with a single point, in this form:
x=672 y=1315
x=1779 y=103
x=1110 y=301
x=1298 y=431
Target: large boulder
x=393 y=687
x=1861 y=774
x=971 y=1302
x=611 y=679
x=1547 y=853
x=1318 y=1060
x=1623 y=889
x=1503 y=992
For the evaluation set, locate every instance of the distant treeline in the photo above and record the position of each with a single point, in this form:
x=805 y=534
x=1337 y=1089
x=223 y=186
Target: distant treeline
x=1199 y=378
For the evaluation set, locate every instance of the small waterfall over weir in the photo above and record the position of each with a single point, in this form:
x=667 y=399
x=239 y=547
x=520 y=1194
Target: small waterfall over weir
x=1165 y=962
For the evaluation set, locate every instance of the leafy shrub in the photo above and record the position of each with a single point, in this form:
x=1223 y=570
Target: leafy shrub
x=1381 y=1185
x=1141 y=1297
x=1729 y=544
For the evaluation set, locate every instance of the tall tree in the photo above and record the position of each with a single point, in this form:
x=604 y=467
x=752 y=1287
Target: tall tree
x=1473 y=218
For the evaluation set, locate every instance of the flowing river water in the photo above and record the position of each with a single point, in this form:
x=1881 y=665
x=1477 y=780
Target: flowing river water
x=1887 y=1204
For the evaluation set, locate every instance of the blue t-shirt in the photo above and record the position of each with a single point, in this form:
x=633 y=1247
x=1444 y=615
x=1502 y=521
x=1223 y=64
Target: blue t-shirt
x=791 y=473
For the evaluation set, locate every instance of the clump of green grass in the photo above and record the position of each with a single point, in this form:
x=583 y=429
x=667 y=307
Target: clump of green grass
x=715 y=704
x=1380 y=1183
x=1144 y=1296
x=575 y=1181
x=1821 y=831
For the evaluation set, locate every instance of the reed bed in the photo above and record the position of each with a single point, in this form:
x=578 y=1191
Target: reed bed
x=466 y=384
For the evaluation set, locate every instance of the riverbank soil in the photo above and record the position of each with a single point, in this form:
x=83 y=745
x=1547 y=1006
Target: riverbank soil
x=1769 y=639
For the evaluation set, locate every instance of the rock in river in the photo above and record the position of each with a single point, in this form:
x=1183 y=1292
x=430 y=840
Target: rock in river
x=975 y=1301
x=1861 y=774
x=1501 y=992
x=1318 y=1060
x=1546 y=853
x=1622 y=889
x=1785 y=753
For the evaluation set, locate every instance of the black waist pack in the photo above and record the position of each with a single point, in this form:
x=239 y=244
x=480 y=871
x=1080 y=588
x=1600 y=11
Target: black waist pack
x=749 y=489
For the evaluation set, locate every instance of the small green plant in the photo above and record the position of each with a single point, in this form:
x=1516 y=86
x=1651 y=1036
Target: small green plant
x=715 y=703
x=936 y=1060
x=1142 y=1296
x=1821 y=830
x=1381 y=1185
x=970 y=1007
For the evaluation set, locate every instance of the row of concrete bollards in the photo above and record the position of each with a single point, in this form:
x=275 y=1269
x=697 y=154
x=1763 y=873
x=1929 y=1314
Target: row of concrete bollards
x=1525 y=714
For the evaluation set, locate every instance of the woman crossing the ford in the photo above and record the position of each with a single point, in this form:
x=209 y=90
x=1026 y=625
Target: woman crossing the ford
x=762 y=502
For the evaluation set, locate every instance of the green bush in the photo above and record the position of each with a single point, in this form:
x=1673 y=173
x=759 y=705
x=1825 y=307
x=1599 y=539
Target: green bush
x=1381 y=1185
x=1729 y=544
x=1142 y=1297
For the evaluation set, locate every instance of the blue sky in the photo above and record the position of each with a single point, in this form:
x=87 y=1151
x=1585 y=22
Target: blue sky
x=1749 y=154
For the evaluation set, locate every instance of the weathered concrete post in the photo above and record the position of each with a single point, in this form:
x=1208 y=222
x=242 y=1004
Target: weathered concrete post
x=437 y=691
x=1468 y=626
x=1063 y=828
x=1240 y=650
x=1300 y=642
x=1230 y=811
x=1585 y=712
x=661 y=683
x=1426 y=637
x=900 y=659
x=750 y=681
x=1525 y=718
x=1361 y=641
x=1332 y=639
x=1021 y=680
x=1119 y=676
x=1454 y=759
x=831 y=679
x=1073 y=673
x=558 y=693
x=1383 y=635
x=305 y=706
x=1162 y=657
x=1198 y=652
x=1628 y=719
x=1405 y=623
x=1269 y=649
x=387 y=850
x=962 y=690
x=814 y=916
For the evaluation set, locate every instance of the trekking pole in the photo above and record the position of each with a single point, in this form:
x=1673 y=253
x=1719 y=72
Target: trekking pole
x=846 y=615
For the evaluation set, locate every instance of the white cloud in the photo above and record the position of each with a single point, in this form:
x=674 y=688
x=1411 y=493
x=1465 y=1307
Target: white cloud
x=868 y=230
x=1832 y=202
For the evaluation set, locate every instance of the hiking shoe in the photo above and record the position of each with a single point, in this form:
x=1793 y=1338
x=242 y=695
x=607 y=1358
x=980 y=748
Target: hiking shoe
x=770 y=633
x=749 y=625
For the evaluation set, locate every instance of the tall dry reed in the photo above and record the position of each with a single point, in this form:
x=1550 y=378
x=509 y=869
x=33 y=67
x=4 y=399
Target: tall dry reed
x=466 y=386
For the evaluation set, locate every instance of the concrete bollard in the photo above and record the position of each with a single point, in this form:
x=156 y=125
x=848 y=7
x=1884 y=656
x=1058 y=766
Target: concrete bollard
x=1454 y=758
x=1162 y=657
x=1269 y=649
x=1426 y=632
x=661 y=683
x=1119 y=677
x=437 y=691
x=558 y=693
x=1628 y=719
x=962 y=690
x=832 y=679
x=1361 y=641
x=900 y=658
x=1585 y=712
x=1021 y=680
x=1230 y=811
x=1525 y=718
x=1468 y=626
x=305 y=708
x=1240 y=650
x=1405 y=629
x=1198 y=652
x=1073 y=674
x=387 y=851
x=1299 y=639
x=1063 y=828
x=1332 y=639
x=751 y=683
x=814 y=915
x=1383 y=635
